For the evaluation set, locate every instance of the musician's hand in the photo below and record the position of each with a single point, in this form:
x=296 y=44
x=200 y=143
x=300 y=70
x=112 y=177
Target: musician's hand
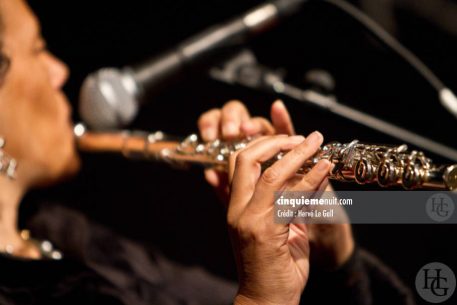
x=232 y=122
x=272 y=258
x=331 y=244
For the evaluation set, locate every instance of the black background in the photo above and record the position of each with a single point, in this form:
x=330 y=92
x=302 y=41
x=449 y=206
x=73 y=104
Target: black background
x=175 y=210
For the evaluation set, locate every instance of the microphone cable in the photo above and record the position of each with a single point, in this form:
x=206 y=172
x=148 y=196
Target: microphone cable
x=445 y=95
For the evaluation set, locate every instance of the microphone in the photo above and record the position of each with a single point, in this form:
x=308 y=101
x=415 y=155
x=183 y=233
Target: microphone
x=110 y=97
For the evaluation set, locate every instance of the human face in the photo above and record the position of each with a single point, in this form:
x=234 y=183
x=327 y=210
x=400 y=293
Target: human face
x=34 y=112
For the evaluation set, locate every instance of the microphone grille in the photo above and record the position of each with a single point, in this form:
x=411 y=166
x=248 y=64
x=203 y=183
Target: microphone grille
x=108 y=99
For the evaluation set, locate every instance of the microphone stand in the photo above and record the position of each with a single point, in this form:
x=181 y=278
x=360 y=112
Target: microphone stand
x=243 y=69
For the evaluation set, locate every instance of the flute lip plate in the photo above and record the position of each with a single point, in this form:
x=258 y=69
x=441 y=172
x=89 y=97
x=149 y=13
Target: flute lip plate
x=79 y=130
x=450 y=177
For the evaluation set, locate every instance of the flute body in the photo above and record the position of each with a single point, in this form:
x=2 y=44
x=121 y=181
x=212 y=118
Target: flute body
x=387 y=165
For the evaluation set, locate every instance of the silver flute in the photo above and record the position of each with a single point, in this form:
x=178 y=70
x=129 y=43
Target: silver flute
x=387 y=165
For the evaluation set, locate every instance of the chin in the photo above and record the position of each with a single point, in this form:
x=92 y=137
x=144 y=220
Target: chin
x=70 y=164
x=66 y=169
x=72 y=168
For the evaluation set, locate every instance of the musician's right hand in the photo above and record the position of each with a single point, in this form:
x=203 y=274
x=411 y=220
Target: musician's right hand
x=332 y=245
x=272 y=258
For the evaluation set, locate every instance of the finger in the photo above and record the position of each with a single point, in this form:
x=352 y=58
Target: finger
x=275 y=177
x=247 y=167
x=219 y=181
x=212 y=178
x=257 y=125
x=316 y=178
x=233 y=114
x=257 y=152
x=208 y=124
x=298 y=242
x=278 y=142
x=295 y=189
x=281 y=118
x=321 y=188
x=233 y=156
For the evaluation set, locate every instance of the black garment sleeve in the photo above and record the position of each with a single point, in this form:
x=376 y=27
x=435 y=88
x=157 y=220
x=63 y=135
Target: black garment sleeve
x=362 y=280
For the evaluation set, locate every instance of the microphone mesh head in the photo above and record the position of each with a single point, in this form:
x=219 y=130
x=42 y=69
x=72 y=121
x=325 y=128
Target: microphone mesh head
x=108 y=99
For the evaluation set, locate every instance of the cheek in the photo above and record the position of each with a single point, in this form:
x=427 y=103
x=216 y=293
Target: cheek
x=38 y=119
x=52 y=130
x=51 y=141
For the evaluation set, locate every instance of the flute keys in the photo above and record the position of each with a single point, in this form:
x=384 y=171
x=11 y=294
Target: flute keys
x=411 y=177
x=364 y=171
x=416 y=170
x=450 y=177
x=389 y=171
x=386 y=174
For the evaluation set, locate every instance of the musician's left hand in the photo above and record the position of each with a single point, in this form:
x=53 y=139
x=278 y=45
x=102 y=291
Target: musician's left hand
x=232 y=122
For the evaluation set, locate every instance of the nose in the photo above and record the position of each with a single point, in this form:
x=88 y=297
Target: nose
x=58 y=71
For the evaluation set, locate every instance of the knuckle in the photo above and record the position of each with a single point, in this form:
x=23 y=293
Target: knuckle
x=233 y=103
x=207 y=117
x=243 y=225
x=246 y=229
x=302 y=151
x=311 y=182
x=231 y=221
x=202 y=121
x=242 y=158
x=252 y=231
x=265 y=124
x=264 y=121
x=270 y=176
x=234 y=107
x=232 y=158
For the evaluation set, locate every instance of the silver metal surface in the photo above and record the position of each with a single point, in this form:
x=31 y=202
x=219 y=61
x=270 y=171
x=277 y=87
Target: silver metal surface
x=8 y=165
x=386 y=165
x=108 y=99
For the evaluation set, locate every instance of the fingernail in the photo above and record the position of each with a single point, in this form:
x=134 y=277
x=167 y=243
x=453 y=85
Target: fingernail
x=297 y=139
x=211 y=177
x=230 y=129
x=323 y=166
x=314 y=138
x=280 y=103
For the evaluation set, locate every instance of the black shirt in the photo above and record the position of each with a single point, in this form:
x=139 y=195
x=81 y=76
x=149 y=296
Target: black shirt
x=102 y=268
